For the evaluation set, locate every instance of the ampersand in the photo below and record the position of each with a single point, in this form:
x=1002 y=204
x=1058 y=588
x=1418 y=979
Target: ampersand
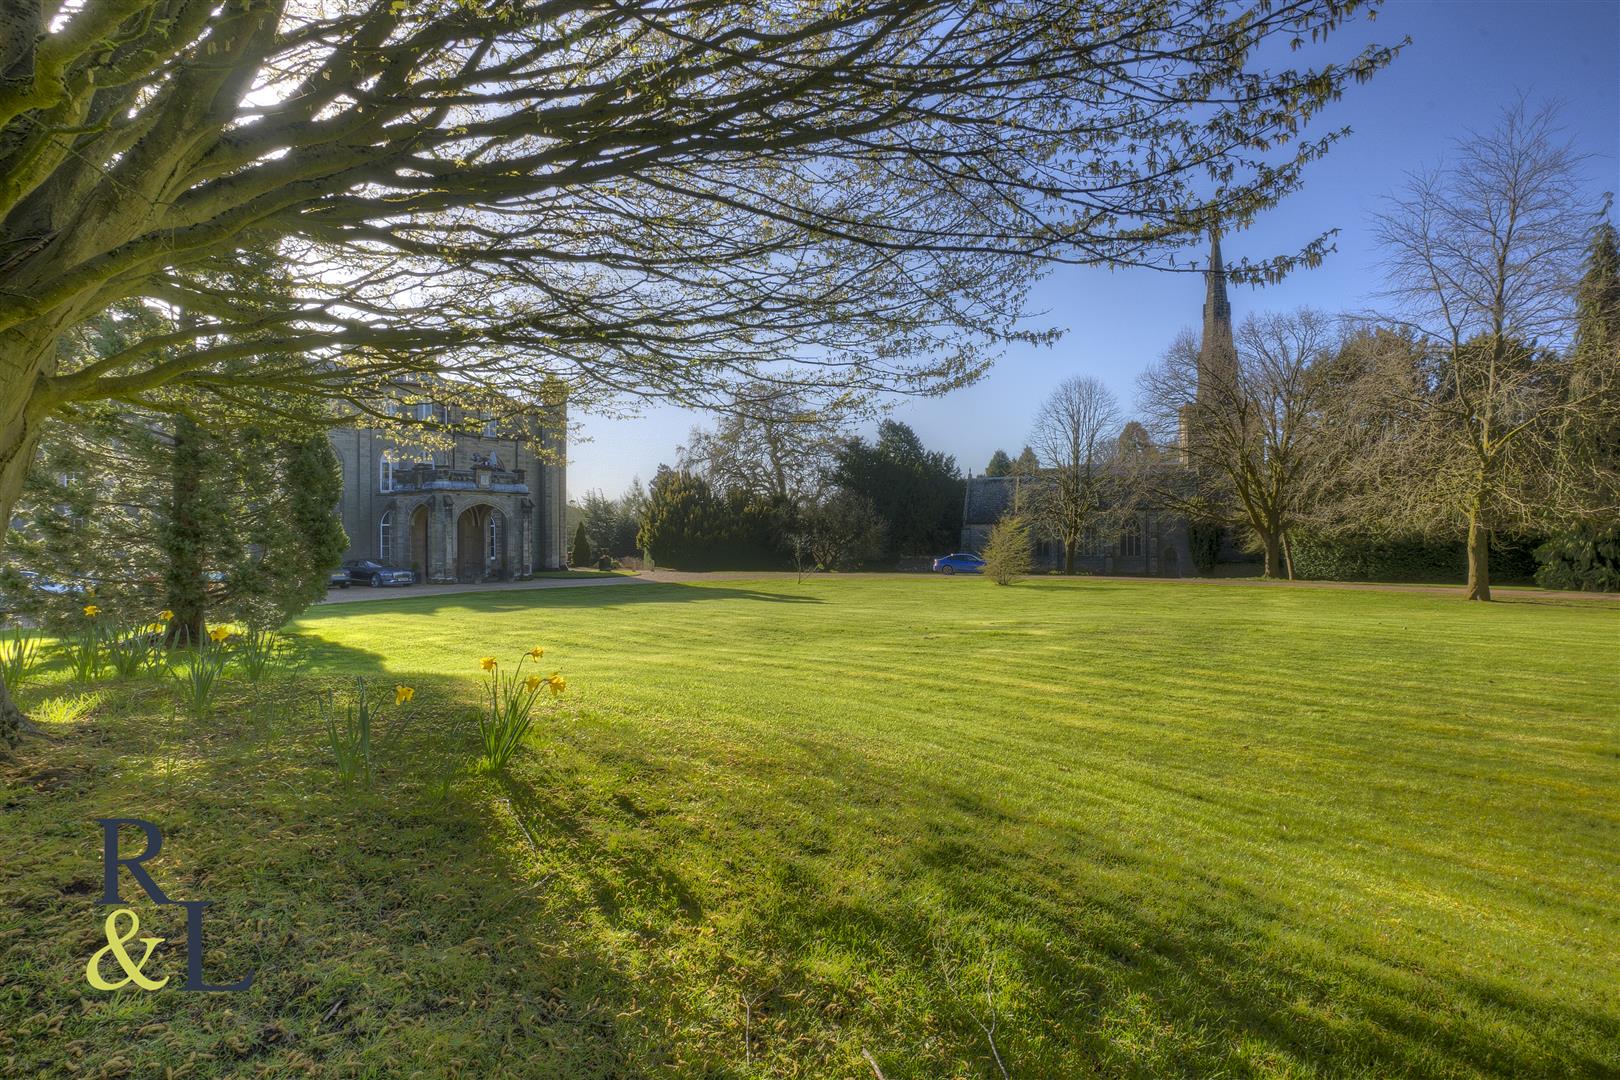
x=115 y=945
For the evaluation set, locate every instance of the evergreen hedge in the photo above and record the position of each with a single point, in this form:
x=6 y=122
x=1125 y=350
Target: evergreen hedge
x=1404 y=560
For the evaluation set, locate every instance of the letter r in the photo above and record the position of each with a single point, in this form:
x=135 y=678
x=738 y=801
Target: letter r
x=110 y=861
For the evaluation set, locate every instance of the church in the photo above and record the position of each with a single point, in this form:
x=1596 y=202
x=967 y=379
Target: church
x=485 y=503
x=1151 y=541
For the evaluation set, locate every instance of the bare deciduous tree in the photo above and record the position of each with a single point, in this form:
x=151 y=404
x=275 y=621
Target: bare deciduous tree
x=1251 y=432
x=1484 y=255
x=769 y=443
x=1081 y=489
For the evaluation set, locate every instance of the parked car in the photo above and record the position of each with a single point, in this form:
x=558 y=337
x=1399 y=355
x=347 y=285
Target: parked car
x=338 y=578
x=375 y=574
x=961 y=563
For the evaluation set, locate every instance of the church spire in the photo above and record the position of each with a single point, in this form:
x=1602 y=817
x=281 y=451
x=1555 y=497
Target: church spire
x=1217 y=356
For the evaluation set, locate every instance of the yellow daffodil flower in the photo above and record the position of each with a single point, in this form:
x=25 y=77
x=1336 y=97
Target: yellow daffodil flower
x=91 y=611
x=488 y=663
x=219 y=634
x=537 y=652
x=532 y=683
x=557 y=683
x=402 y=694
x=166 y=615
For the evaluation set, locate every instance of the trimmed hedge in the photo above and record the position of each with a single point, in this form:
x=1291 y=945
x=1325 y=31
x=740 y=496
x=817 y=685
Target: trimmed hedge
x=1586 y=559
x=1410 y=560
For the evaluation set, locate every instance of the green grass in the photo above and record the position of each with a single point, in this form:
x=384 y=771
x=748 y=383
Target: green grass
x=1136 y=829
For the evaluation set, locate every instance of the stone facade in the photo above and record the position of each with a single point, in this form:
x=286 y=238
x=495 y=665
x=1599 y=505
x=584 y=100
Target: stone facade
x=485 y=507
x=1150 y=542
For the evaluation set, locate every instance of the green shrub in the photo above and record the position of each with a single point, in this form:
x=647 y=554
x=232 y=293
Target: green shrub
x=1006 y=553
x=581 y=555
x=1204 y=540
x=1586 y=559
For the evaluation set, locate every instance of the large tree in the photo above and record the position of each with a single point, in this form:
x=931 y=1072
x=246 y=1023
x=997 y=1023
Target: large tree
x=1251 y=430
x=1484 y=255
x=768 y=444
x=654 y=198
x=1082 y=485
x=916 y=492
x=1587 y=555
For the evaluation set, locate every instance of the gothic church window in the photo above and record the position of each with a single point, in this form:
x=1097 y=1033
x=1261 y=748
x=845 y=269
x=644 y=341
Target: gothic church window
x=1130 y=540
x=385 y=537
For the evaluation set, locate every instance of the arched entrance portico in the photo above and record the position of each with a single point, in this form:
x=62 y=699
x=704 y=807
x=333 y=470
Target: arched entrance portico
x=481 y=542
x=419 y=542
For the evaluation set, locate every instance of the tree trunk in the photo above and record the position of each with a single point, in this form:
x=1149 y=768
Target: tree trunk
x=1479 y=556
x=184 y=538
x=19 y=436
x=1273 y=543
x=1068 y=556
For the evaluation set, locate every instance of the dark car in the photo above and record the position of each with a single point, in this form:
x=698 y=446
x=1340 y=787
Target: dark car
x=960 y=563
x=375 y=574
x=338 y=579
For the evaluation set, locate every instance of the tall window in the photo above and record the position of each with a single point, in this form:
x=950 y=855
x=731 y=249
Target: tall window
x=491 y=429
x=1130 y=540
x=385 y=472
x=493 y=537
x=385 y=537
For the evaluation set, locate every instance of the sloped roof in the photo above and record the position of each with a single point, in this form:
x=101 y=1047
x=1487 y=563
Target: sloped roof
x=988 y=497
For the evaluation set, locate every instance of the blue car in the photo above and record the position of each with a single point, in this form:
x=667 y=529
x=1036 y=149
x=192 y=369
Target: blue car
x=960 y=563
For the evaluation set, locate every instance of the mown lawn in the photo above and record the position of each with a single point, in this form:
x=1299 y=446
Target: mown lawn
x=1129 y=829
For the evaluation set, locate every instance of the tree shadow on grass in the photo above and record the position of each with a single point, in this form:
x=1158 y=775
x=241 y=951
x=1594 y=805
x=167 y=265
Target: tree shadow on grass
x=390 y=931
x=600 y=596
x=1102 y=956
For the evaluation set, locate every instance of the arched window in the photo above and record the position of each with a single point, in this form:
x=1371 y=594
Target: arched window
x=1130 y=540
x=385 y=537
x=493 y=538
x=385 y=472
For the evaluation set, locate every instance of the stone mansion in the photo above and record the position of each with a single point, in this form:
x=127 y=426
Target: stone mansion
x=485 y=504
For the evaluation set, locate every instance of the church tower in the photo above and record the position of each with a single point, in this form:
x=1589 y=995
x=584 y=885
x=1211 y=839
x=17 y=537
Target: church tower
x=1217 y=356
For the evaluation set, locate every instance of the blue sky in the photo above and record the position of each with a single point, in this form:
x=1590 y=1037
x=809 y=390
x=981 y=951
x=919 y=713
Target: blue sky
x=1468 y=59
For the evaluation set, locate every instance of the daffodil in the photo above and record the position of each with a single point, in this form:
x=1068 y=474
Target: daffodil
x=218 y=634
x=532 y=683
x=557 y=683
x=488 y=663
x=537 y=652
x=166 y=615
x=91 y=611
x=402 y=694
x=154 y=628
